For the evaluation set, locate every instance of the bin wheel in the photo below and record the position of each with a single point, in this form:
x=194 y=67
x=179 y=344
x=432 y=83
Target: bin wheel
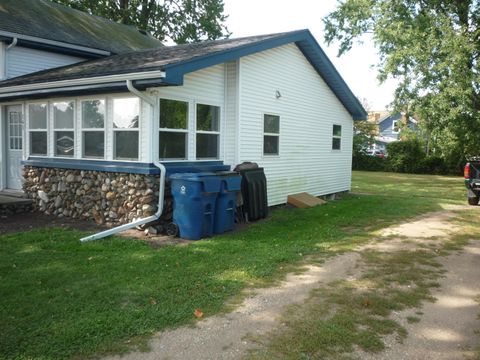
x=172 y=229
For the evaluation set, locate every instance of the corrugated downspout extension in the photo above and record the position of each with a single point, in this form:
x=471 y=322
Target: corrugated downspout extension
x=161 y=192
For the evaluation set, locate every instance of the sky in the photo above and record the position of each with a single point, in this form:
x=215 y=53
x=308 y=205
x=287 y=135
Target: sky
x=256 y=17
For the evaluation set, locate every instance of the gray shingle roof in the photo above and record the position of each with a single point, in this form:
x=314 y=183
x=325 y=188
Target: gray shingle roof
x=138 y=61
x=51 y=21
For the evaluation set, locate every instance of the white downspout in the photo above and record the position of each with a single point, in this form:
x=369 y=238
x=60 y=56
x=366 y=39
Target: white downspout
x=161 y=191
x=12 y=44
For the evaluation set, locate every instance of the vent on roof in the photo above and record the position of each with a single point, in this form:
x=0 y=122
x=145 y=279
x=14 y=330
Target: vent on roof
x=144 y=32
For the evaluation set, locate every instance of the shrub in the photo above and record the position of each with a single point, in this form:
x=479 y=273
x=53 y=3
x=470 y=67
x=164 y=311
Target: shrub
x=368 y=163
x=405 y=156
x=433 y=165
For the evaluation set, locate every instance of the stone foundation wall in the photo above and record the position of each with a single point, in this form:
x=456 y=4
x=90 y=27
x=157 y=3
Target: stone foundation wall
x=108 y=198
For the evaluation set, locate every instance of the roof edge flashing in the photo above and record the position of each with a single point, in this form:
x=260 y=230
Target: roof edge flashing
x=60 y=44
x=84 y=81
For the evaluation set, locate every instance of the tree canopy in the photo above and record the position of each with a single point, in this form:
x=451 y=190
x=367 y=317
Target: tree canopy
x=432 y=47
x=182 y=21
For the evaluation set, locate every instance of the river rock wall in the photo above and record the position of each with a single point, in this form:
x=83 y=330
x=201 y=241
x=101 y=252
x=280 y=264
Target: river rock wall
x=108 y=198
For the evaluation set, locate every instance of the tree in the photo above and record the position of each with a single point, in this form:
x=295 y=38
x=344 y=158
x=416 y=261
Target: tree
x=432 y=47
x=182 y=21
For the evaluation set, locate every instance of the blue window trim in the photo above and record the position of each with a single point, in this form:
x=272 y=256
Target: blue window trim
x=125 y=167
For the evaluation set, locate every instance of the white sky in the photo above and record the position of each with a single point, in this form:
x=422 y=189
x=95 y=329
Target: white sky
x=256 y=17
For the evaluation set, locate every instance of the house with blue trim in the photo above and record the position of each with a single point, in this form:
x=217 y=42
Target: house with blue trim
x=389 y=127
x=99 y=138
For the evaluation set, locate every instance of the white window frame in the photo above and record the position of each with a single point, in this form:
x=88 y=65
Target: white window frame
x=29 y=130
x=218 y=133
x=271 y=134
x=337 y=137
x=395 y=125
x=83 y=130
x=51 y=107
x=186 y=131
x=18 y=137
x=137 y=129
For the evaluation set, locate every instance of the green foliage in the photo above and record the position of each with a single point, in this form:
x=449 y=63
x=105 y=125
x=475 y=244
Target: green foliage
x=363 y=137
x=369 y=163
x=183 y=21
x=405 y=156
x=432 y=47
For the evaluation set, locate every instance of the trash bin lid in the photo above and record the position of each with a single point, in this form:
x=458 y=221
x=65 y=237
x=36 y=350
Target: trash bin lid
x=200 y=176
x=211 y=182
x=227 y=173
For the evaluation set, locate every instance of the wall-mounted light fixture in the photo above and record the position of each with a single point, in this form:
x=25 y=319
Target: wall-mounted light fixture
x=278 y=95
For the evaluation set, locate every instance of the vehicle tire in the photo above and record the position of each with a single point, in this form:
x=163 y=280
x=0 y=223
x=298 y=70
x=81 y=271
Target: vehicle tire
x=473 y=200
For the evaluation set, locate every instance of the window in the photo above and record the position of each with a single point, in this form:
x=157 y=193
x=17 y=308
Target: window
x=173 y=133
x=125 y=128
x=208 y=131
x=337 y=137
x=37 y=116
x=64 y=135
x=395 y=128
x=271 y=134
x=15 y=130
x=93 y=128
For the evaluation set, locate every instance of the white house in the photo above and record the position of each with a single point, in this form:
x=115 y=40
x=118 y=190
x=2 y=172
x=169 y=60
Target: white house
x=96 y=129
x=36 y=35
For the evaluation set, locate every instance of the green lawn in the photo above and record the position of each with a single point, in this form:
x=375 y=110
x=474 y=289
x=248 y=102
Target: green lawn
x=60 y=298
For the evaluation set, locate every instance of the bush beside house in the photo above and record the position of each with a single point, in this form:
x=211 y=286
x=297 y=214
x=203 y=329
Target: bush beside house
x=406 y=156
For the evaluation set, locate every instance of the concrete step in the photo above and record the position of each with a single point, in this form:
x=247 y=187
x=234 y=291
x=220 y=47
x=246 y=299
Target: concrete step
x=13 y=205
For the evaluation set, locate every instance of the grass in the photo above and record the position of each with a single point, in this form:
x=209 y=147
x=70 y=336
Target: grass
x=62 y=299
x=355 y=314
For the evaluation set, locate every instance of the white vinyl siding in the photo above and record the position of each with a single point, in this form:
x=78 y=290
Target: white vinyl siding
x=21 y=60
x=307 y=109
x=231 y=112
x=3 y=65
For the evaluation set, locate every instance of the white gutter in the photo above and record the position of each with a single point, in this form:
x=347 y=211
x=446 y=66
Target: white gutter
x=14 y=42
x=161 y=191
x=55 y=43
x=60 y=89
x=85 y=81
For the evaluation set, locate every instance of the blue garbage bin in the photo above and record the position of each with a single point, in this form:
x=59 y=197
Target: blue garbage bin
x=194 y=197
x=230 y=184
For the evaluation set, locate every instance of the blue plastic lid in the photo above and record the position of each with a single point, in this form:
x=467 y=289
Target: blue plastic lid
x=200 y=176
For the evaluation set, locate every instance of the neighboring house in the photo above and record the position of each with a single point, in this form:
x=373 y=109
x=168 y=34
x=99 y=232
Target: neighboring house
x=37 y=35
x=389 y=127
x=95 y=130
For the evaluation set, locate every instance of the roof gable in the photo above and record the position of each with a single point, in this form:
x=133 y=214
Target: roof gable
x=47 y=20
x=176 y=61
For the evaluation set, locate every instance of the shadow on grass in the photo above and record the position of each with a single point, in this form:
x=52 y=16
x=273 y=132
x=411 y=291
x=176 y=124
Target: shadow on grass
x=63 y=299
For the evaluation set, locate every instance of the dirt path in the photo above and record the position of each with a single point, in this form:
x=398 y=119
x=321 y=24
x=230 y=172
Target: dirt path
x=446 y=330
x=447 y=327
x=224 y=336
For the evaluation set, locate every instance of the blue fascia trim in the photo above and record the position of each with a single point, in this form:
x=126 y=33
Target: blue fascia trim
x=93 y=165
x=306 y=43
x=124 y=166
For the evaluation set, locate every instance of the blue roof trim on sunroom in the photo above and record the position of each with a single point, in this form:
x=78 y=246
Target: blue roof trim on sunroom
x=305 y=42
x=125 y=166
